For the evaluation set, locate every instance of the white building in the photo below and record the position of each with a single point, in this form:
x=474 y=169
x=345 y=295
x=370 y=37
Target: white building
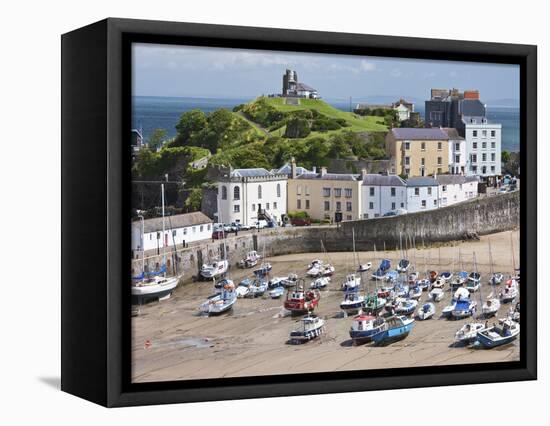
x=403 y=109
x=457 y=152
x=179 y=230
x=422 y=194
x=483 y=144
x=454 y=189
x=382 y=194
x=247 y=195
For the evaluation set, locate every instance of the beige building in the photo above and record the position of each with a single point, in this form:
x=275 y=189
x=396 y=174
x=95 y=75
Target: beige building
x=325 y=195
x=418 y=152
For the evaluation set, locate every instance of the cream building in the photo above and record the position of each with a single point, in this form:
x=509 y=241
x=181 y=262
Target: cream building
x=325 y=195
x=418 y=152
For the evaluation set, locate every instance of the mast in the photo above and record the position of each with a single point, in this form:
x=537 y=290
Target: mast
x=163 y=228
x=142 y=247
x=513 y=255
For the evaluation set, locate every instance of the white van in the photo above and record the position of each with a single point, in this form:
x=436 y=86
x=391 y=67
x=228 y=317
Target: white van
x=261 y=224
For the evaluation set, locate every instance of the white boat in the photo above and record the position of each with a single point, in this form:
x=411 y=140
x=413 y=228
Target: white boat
x=364 y=267
x=257 y=288
x=413 y=276
x=215 y=269
x=415 y=292
x=468 y=332
x=290 y=281
x=157 y=288
x=403 y=266
x=459 y=280
x=351 y=282
x=311 y=327
x=496 y=278
x=490 y=307
x=319 y=283
x=498 y=336
x=327 y=270
x=353 y=302
x=464 y=309
x=221 y=302
x=446 y=276
x=243 y=288
x=510 y=291
x=424 y=284
x=401 y=290
x=276 y=282
x=427 y=311
x=460 y=294
x=439 y=282
x=277 y=292
x=405 y=306
x=251 y=259
x=437 y=294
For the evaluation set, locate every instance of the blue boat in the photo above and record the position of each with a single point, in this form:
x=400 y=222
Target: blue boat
x=364 y=327
x=497 y=336
x=395 y=328
x=380 y=273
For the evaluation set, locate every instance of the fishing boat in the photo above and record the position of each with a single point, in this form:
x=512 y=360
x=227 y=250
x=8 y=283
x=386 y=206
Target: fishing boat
x=353 y=302
x=497 y=336
x=468 y=332
x=496 y=278
x=432 y=276
x=380 y=273
x=311 y=327
x=459 y=280
x=464 y=309
x=437 y=294
x=374 y=304
x=427 y=311
x=217 y=268
x=490 y=307
x=251 y=259
x=392 y=276
x=395 y=328
x=221 y=302
x=363 y=327
x=403 y=266
x=351 y=282
x=319 y=283
x=510 y=291
x=415 y=292
x=277 y=292
x=405 y=306
x=257 y=288
x=446 y=276
x=243 y=288
x=299 y=301
x=263 y=270
x=364 y=267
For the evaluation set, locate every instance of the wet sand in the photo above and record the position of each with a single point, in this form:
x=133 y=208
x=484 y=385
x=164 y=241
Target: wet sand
x=172 y=341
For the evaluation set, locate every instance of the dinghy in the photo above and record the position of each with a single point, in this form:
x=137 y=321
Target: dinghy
x=427 y=311
x=290 y=281
x=351 y=282
x=299 y=301
x=276 y=282
x=311 y=327
x=223 y=282
x=243 y=288
x=327 y=270
x=438 y=283
x=353 y=302
x=363 y=327
x=319 y=283
x=364 y=267
x=395 y=328
x=315 y=268
x=497 y=336
x=403 y=266
x=490 y=307
x=510 y=291
x=437 y=294
x=221 y=302
x=468 y=332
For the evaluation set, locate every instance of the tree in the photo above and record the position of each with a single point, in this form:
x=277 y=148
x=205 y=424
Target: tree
x=505 y=156
x=189 y=123
x=193 y=200
x=157 y=138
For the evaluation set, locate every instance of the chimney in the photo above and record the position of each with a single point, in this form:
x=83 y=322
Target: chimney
x=323 y=171
x=293 y=172
x=363 y=173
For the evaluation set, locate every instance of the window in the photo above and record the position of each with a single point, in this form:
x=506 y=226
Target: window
x=259 y=192
x=407 y=146
x=371 y=206
x=474 y=145
x=429 y=191
x=407 y=171
x=365 y=215
x=348 y=206
x=298 y=204
x=484 y=133
x=307 y=190
x=439 y=161
x=493 y=145
x=338 y=206
x=236 y=193
x=184 y=231
x=483 y=157
x=457 y=146
x=393 y=206
x=337 y=192
x=236 y=208
x=208 y=227
x=202 y=228
x=267 y=206
x=439 y=146
x=493 y=169
x=194 y=229
x=483 y=145
x=347 y=191
x=299 y=190
x=423 y=146
x=493 y=133
x=423 y=161
x=278 y=190
x=174 y=232
x=493 y=156
x=307 y=204
x=474 y=158
x=439 y=170
x=253 y=207
x=402 y=205
x=224 y=192
x=392 y=192
x=416 y=191
x=326 y=192
x=444 y=188
x=423 y=204
x=435 y=202
x=407 y=161
x=327 y=205
x=348 y=217
x=474 y=133
x=457 y=158
x=275 y=205
x=371 y=191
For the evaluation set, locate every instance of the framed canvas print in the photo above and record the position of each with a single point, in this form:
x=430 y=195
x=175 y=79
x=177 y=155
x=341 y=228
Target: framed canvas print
x=273 y=212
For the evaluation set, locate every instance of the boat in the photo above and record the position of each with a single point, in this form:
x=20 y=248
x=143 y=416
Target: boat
x=437 y=294
x=299 y=301
x=401 y=290
x=446 y=276
x=352 y=281
x=510 y=291
x=385 y=291
x=490 y=307
x=380 y=273
x=155 y=288
x=243 y=288
x=424 y=284
x=496 y=278
x=458 y=280
x=221 y=283
x=405 y=306
x=412 y=278
x=353 y=302
x=319 y=283
x=311 y=327
x=257 y=288
x=432 y=276
x=290 y=281
x=395 y=328
x=438 y=283
x=497 y=336
x=217 y=268
x=364 y=327
x=392 y=276
x=427 y=311
x=474 y=277
x=364 y=267
x=277 y=292
x=221 y=302
x=263 y=270
x=415 y=292
x=460 y=294
x=403 y=266
x=327 y=270
x=276 y=282
x=464 y=309
x=374 y=304
x=468 y=332
x=315 y=268
x=251 y=259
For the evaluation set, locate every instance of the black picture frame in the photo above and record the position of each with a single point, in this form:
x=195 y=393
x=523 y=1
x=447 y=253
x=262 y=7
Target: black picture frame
x=96 y=87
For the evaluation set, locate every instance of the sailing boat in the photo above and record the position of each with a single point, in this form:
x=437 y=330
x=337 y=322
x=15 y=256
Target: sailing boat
x=492 y=304
x=467 y=307
x=154 y=285
x=511 y=289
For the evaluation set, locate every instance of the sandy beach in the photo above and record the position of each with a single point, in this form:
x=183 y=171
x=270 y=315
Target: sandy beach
x=173 y=341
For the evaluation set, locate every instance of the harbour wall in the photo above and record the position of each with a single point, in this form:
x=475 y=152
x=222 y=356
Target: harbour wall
x=463 y=221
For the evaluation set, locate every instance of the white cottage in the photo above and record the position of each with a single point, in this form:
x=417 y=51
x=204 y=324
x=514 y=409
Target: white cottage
x=248 y=195
x=179 y=230
x=422 y=194
x=456 y=188
x=382 y=194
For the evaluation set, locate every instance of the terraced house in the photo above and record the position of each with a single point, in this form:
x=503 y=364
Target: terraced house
x=331 y=196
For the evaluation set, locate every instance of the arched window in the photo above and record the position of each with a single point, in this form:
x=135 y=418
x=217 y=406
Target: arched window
x=259 y=192
x=236 y=193
x=224 y=192
x=279 y=190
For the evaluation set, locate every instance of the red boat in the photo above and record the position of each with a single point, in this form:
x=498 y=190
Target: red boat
x=300 y=301
x=384 y=292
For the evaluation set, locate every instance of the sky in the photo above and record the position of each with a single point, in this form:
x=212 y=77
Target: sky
x=165 y=70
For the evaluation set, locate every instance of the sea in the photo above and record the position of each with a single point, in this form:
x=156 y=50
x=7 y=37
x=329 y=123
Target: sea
x=154 y=112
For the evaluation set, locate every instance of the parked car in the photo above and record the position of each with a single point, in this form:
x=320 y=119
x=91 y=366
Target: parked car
x=218 y=234
x=260 y=224
x=296 y=221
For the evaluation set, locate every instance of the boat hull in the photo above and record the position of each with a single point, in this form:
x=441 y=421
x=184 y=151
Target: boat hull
x=392 y=335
